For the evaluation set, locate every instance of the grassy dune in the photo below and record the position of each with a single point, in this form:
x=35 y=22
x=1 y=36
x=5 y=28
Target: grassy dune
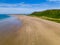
x=53 y=15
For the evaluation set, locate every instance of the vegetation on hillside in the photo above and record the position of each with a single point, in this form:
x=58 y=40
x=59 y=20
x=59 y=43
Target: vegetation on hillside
x=53 y=15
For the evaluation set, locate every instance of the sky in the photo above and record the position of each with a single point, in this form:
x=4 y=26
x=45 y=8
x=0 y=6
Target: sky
x=27 y=6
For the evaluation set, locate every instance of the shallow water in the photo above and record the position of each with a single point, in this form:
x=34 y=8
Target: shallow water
x=8 y=29
x=9 y=25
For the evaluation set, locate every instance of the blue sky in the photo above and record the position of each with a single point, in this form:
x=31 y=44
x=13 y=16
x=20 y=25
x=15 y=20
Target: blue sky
x=27 y=6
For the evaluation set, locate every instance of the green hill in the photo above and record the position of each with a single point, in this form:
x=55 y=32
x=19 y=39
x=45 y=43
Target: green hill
x=53 y=15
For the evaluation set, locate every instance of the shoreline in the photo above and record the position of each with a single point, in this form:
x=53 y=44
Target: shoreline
x=10 y=24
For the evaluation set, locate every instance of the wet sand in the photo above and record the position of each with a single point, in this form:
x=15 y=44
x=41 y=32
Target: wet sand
x=8 y=30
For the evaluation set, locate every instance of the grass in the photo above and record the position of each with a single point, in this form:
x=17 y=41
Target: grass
x=51 y=19
x=48 y=18
x=52 y=15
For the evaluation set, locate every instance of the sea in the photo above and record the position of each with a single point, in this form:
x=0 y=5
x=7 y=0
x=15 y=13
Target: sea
x=4 y=16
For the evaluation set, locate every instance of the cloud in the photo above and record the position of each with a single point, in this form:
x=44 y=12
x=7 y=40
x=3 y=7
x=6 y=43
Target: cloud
x=20 y=8
x=15 y=11
x=9 y=5
x=23 y=8
x=22 y=4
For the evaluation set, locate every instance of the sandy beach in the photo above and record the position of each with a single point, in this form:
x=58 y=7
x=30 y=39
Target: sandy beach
x=34 y=31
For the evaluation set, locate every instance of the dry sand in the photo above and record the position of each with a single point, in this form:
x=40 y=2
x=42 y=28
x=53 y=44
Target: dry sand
x=35 y=31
